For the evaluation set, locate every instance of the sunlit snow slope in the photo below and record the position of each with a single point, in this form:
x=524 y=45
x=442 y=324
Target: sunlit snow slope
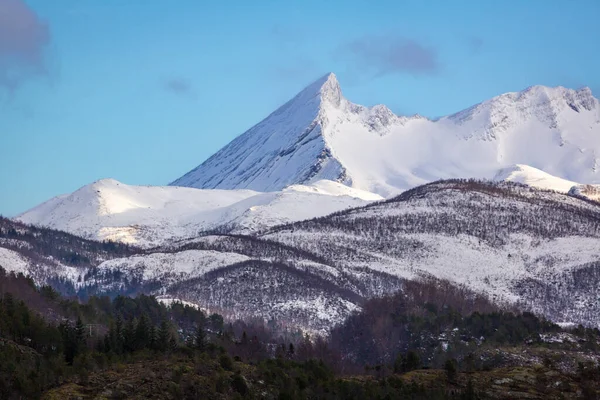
x=321 y=135
x=152 y=215
x=534 y=177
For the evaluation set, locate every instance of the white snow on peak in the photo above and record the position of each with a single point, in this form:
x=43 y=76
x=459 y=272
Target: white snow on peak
x=534 y=177
x=329 y=89
x=153 y=215
x=331 y=188
x=321 y=135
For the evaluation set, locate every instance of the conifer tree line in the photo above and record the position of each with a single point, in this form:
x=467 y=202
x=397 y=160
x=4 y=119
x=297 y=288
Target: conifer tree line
x=390 y=336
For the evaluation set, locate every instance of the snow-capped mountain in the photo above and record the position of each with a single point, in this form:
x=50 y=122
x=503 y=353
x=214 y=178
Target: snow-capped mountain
x=534 y=177
x=152 y=215
x=289 y=220
x=321 y=135
x=530 y=248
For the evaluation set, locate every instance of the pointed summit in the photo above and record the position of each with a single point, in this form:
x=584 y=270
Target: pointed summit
x=285 y=148
x=330 y=89
x=325 y=89
x=319 y=134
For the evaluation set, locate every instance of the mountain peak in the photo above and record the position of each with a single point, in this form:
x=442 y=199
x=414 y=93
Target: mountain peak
x=548 y=94
x=107 y=182
x=326 y=89
x=319 y=134
x=330 y=90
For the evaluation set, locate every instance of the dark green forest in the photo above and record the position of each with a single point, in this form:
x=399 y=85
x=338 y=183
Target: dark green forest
x=429 y=341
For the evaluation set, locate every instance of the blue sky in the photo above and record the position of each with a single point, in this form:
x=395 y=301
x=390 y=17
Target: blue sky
x=144 y=90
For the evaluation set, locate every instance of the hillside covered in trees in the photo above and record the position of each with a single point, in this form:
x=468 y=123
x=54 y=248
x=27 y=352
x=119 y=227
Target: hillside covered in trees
x=532 y=249
x=433 y=340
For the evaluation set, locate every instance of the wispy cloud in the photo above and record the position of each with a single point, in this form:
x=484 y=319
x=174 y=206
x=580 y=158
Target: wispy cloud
x=475 y=44
x=23 y=40
x=179 y=86
x=383 y=55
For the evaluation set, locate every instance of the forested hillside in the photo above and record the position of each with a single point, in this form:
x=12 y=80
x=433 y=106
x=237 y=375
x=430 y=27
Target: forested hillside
x=521 y=247
x=433 y=340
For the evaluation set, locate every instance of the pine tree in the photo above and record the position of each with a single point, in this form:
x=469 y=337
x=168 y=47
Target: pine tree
x=129 y=336
x=106 y=346
x=412 y=362
x=117 y=338
x=172 y=344
x=163 y=336
x=451 y=370
x=399 y=364
x=200 y=340
x=80 y=341
x=142 y=333
x=152 y=337
x=69 y=342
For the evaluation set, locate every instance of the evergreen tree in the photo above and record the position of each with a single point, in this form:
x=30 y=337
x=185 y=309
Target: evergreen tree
x=142 y=333
x=451 y=370
x=106 y=347
x=172 y=344
x=216 y=323
x=129 y=336
x=163 y=336
x=412 y=362
x=200 y=339
x=290 y=353
x=69 y=342
x=399 y=364
x=80 y=341
x=117 y=339
x=152 y=337
x=407 y=363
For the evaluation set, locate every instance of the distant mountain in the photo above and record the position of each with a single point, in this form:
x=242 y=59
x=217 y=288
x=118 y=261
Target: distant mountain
x=153 y=215
x=520 y=246
x=534 y=177
x=299 y=219
x=53 y=257
x=320 y=135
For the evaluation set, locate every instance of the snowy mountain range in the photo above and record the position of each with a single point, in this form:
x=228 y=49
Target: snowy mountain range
x=152 y=215
x=320 y=153
x=326 y=203
x=321 y=135
x=520 y=246
x=525 y=247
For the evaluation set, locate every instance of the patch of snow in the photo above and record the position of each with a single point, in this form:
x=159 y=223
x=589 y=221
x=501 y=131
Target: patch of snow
x=12 y=261
x=153 y=215
x=533 y=177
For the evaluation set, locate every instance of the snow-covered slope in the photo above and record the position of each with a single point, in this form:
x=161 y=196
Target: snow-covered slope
x=321 y=135
x=152 y=215
x=531 y=248
x=591 y=192
x=534 y=177
x=12 y=261
x=514 y=243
